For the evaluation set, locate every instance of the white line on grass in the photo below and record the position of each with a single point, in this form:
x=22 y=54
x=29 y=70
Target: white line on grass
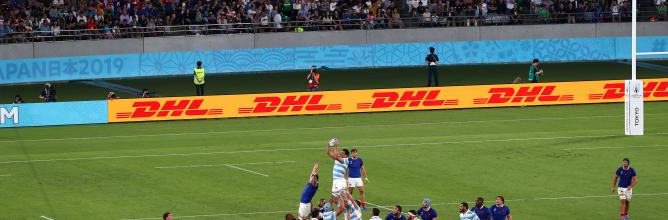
x=619 y=147
x=548 y=198
x=5 y=175
x=312 y=148
x=313 y=128
x=213 y=215
x=220 y=165
x=389 y=207
x=47 y=218
x=250 y=171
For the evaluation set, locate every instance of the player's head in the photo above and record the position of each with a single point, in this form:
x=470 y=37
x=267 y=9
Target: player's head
x=167 y=216
x=313 y=68
x=375 y=212
x=463 y=207
x=353 y=153
x=500 y=200
x=396 y=210
x=479 y=202
x=412 y=214
x=432 y=49
x=345 y=153
x=535 y=62
x=199 y=63
x=626 y=162
x=426 y=203
x=321 y=203
x=289 y=216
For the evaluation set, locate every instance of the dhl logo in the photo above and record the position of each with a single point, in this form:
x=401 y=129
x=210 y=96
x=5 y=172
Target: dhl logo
x=291 y=103
x=406 y=99
x=171 y=108
x=616 y=91
x=522 y=94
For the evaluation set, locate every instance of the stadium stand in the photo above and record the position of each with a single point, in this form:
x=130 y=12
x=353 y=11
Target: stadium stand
x=50 y=20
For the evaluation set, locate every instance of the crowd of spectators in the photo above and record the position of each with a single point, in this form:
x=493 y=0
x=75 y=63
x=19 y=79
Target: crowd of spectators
x=86 y=19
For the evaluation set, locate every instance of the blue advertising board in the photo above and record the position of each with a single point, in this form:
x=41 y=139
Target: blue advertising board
x=53 y=113
x=339 y=56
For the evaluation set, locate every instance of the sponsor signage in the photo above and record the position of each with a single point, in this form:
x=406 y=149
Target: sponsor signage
x=53 y=113
x=378 y=100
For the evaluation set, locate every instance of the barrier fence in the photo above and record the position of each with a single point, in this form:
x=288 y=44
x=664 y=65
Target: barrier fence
x=377 y=100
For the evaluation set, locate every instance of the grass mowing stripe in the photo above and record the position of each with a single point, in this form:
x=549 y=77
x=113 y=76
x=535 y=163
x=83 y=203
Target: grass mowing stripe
x=314 y=148
x=220 y=165
x=313 y=128
x=213 y=215
x=624 y=147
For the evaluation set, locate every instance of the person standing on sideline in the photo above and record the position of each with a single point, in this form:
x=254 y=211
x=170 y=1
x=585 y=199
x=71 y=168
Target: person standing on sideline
x=480 y=210
x=426 y=212
x=534 y=71
x=313 y=79
x=465 y=213
x=307 y=195
x=627 y=180
x=198 y=78
x=500 y=211
x=355 y=172
x=432 y=62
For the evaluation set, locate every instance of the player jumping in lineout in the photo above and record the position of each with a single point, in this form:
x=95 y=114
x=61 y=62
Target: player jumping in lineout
x=339 y=183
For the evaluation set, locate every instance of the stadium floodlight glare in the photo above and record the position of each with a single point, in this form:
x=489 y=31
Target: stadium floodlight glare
x=633 y=95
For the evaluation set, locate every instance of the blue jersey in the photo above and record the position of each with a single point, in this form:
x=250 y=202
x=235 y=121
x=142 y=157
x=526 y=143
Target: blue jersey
x=499 y=213
x=392 y=217
x=339 y=169
x=309 y=192
x=483 y=212
x=427 y=215
x=355 y=167
x=625 y=176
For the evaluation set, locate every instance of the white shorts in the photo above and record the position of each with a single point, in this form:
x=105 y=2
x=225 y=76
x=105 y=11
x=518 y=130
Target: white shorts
x=337 y=186
x=355 y=182
x=304 y=211
x=624 y=193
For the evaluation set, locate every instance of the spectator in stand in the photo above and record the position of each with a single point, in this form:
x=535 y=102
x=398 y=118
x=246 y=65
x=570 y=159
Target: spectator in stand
x=48 y=94
x=18 y=99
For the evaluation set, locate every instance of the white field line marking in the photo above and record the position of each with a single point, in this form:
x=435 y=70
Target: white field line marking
x=548 y=198
x=47 y=218
x=312 y=148
x=313 y=128
x=250 y=171
x=5 y=175
x=624 y=147
x=220 y=165
x=389 y=207
x=379 y=206
x=213 y=215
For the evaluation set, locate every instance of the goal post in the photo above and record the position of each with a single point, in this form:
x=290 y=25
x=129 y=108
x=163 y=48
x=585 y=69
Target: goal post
x=633 y=95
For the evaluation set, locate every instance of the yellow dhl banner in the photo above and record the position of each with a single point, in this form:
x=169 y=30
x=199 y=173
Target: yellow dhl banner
x=377 y=100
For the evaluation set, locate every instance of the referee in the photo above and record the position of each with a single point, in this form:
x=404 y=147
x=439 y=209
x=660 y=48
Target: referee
x=432 y=61
x=198 y=78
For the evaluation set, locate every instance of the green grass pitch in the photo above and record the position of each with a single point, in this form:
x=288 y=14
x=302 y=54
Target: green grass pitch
x=550 y=163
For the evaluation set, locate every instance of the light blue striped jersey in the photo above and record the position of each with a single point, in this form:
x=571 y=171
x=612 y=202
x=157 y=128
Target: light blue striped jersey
x=354 y=213
x=340 y=169
x=329 y=215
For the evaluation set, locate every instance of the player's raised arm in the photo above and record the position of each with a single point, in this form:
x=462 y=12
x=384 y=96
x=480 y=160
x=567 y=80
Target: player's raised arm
x=334 y=154
x=314 y=172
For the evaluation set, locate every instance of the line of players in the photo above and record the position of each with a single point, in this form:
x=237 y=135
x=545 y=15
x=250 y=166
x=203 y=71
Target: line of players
x=342 y=189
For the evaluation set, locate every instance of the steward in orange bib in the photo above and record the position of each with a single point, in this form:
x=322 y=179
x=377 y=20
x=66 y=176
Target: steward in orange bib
x=313 y=79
